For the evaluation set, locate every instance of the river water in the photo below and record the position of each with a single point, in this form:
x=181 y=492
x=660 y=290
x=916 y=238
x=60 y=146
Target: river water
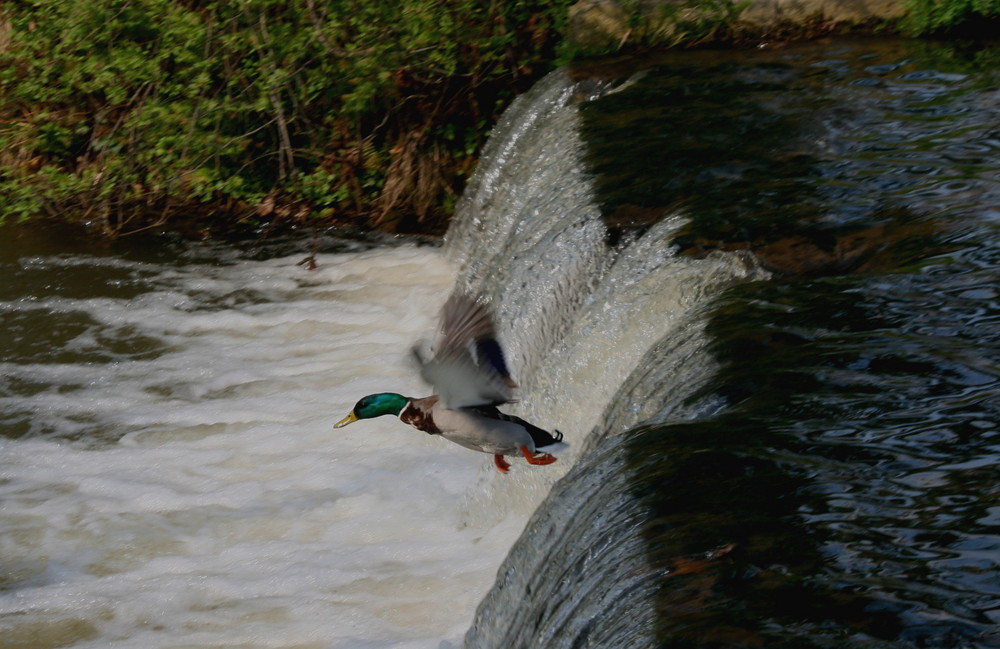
x=762 y=452
x=170 y=473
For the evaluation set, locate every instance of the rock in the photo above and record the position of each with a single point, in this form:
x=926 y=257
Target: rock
x=597 y=24
x=767 y=14
x=606 y=25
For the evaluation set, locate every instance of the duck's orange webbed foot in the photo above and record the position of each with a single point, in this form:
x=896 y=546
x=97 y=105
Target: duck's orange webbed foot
x=502 y=465
x=540 y=458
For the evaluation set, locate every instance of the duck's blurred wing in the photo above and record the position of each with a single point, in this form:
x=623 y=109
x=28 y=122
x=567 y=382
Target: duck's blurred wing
x=468 y=367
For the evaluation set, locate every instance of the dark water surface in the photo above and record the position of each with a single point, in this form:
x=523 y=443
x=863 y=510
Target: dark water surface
x=845 y=492
x=761 y=145
x=854 y=478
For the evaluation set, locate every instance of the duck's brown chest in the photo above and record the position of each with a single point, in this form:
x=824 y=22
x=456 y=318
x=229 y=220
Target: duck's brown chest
x=418 y=415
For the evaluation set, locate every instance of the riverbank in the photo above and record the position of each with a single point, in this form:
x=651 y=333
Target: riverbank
x=223 y=120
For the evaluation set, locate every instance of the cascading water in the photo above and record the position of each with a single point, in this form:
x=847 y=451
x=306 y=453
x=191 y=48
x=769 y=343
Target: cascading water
x=578 y=314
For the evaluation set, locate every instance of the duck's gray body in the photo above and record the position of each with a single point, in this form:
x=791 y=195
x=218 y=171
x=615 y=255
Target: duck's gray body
x=468 y=427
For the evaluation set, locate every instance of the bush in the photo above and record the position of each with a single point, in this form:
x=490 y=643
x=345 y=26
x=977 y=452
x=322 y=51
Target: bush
x=935 y=16
x=135 y=113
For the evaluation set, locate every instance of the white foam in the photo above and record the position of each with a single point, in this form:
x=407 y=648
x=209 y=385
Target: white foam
x=222 y=508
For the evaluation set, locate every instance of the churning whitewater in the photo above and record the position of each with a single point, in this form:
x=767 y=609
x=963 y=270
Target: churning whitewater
x=177 y=481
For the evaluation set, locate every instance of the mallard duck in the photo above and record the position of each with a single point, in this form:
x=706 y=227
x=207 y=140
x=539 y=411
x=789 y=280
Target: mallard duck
x=470 y=378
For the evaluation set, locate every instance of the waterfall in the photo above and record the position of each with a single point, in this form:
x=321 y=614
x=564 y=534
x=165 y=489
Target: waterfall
x=576 y=313
x=579 y=314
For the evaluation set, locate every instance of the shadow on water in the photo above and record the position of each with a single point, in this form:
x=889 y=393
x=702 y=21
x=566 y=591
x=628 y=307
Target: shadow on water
x=816 y=158
x=854 y=477
x=707 y=130
x=847 y=496
x=738 y=566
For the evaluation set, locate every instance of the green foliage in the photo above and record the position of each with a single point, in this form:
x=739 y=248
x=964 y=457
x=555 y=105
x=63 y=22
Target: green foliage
x=125 y=111
x=930 y=16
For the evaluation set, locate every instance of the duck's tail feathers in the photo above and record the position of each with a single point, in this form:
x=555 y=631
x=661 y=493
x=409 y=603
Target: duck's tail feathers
x=541 y=437
x=555 y=445
x=555 y=448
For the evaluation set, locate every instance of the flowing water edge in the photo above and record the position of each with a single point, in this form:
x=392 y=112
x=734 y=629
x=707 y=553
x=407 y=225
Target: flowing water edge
x=758 y=456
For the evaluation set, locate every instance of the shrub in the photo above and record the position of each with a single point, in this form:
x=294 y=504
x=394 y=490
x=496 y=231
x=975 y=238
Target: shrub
x=134 y=113
x=934 y=16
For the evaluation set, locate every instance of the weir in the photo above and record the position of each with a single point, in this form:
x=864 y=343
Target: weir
x=577 y=312
x=705 y=496
x=580 y=314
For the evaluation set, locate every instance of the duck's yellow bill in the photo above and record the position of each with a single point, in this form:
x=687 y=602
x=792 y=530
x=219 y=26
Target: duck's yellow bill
x=346 y=420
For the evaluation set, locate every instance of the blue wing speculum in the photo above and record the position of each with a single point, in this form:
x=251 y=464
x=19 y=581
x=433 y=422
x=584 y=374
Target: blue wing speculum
x=468 y=367
x=489 y=354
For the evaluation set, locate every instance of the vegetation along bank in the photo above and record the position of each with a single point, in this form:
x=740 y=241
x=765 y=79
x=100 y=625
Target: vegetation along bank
x=208 y=116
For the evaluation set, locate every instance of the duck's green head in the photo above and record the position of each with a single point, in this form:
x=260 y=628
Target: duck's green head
x=375 y=405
